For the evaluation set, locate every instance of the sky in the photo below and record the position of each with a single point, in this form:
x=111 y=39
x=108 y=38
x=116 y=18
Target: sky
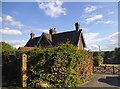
x=98 y=21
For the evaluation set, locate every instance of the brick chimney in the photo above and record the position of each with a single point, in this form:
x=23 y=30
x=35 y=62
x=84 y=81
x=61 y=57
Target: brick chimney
x=32 y=35
x=52 y=31
x=77 y=26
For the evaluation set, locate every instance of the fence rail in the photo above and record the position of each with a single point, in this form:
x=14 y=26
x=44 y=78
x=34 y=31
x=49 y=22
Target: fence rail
x=107 y=69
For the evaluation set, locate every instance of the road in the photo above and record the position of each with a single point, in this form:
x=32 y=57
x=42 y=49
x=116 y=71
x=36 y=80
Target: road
x=103 y=80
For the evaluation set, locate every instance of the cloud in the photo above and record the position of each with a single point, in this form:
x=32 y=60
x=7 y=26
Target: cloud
x=110 y=12
x=17 y=43
x=35 y=29
x=93 y=18
x=91 y=8
x=9 y=21
x=41 y=30
x=53 y=9
x=108 y=22
x=109 y=43
x=8 y=18
x=8 y=31
x=91 y=37
x=18 y=24
x=104 y=22
x=0 y=19
x=113 y=39
x=91 y=40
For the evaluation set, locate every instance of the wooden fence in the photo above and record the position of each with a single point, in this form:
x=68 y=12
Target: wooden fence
x=107 y=69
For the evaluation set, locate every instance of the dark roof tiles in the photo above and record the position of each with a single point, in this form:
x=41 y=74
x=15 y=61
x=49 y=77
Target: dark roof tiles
x=71 y=36
x=32 y=42
x=59 y=38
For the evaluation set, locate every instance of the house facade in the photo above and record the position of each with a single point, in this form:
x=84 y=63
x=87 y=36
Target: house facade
x=53 y=39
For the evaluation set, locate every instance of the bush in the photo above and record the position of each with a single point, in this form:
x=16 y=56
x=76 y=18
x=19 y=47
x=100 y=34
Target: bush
x=11 y=68
x=63 y=66
x=5 y=47
x=98 y=59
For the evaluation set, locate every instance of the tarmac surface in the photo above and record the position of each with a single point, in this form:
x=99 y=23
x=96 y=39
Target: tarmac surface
x=104 y=80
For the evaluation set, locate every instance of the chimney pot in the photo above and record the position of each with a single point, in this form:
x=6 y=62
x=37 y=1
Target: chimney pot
x=32 y=35
x=77 y=26
x=52 y=31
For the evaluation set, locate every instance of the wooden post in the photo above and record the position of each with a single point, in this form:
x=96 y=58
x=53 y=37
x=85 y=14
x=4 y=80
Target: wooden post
x=105 y=67
x=113 y=70
x=24 y=68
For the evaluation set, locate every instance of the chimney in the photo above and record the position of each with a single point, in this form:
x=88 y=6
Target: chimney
x=52 y=31
x=32 y=35
x=77 y=26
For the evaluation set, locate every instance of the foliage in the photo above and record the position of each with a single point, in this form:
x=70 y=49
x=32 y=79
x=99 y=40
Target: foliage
x=62 y=66
x=109 y=57
x=116 y=55
x=11 y=68
x=112 y=57
x=98 y=59
x=5 y=46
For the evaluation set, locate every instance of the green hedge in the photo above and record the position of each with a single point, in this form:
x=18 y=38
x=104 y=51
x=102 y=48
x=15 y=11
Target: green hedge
x=11 y=68
x=62 y=66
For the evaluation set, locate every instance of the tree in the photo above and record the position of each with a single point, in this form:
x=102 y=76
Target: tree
x=5 y=46
x=112 y=57
x=116 y=55
x=98 y=58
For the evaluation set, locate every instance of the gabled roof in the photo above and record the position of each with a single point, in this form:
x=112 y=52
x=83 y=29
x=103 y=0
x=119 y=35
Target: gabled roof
x=71 y=36
x=59 y=38
x=32 y=42
x=47 y=37
x=36 y=40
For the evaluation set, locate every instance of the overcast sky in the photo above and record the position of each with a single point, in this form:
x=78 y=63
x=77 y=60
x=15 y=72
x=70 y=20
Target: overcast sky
x=99 y=21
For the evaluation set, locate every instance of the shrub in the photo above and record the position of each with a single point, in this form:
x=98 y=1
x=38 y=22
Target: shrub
x=98 y=59
x=5 y=47
x=62 y=66
x=11 y=68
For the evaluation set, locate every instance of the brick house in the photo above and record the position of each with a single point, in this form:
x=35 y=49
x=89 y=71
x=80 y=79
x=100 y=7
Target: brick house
x=54 y=39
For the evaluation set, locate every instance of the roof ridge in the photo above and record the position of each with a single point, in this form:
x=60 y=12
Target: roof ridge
x=65 y=32
x=37 y=37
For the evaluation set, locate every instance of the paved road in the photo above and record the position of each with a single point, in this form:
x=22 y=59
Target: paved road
x=102 y=80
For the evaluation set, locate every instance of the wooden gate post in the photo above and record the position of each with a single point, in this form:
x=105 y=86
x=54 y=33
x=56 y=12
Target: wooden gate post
x=24 y=69
x=113 y=70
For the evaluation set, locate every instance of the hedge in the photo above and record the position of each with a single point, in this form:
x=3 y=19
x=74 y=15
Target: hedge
x=62 y=66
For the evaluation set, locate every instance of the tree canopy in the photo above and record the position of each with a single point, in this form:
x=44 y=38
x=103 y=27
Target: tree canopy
x=5 y=46
x=110 y=57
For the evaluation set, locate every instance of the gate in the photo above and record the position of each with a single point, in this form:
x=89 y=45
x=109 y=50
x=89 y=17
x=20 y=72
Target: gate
x=107 y=69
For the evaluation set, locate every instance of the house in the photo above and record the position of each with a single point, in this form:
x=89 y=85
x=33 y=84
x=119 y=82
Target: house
x=54 y=39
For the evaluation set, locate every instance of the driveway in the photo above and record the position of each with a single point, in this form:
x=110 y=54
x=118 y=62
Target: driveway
x=104 y=80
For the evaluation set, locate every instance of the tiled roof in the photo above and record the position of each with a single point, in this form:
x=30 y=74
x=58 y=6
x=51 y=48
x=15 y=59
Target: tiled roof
x=58 y=38
x=32 y=42
x=71 y=36
x=48 y=36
